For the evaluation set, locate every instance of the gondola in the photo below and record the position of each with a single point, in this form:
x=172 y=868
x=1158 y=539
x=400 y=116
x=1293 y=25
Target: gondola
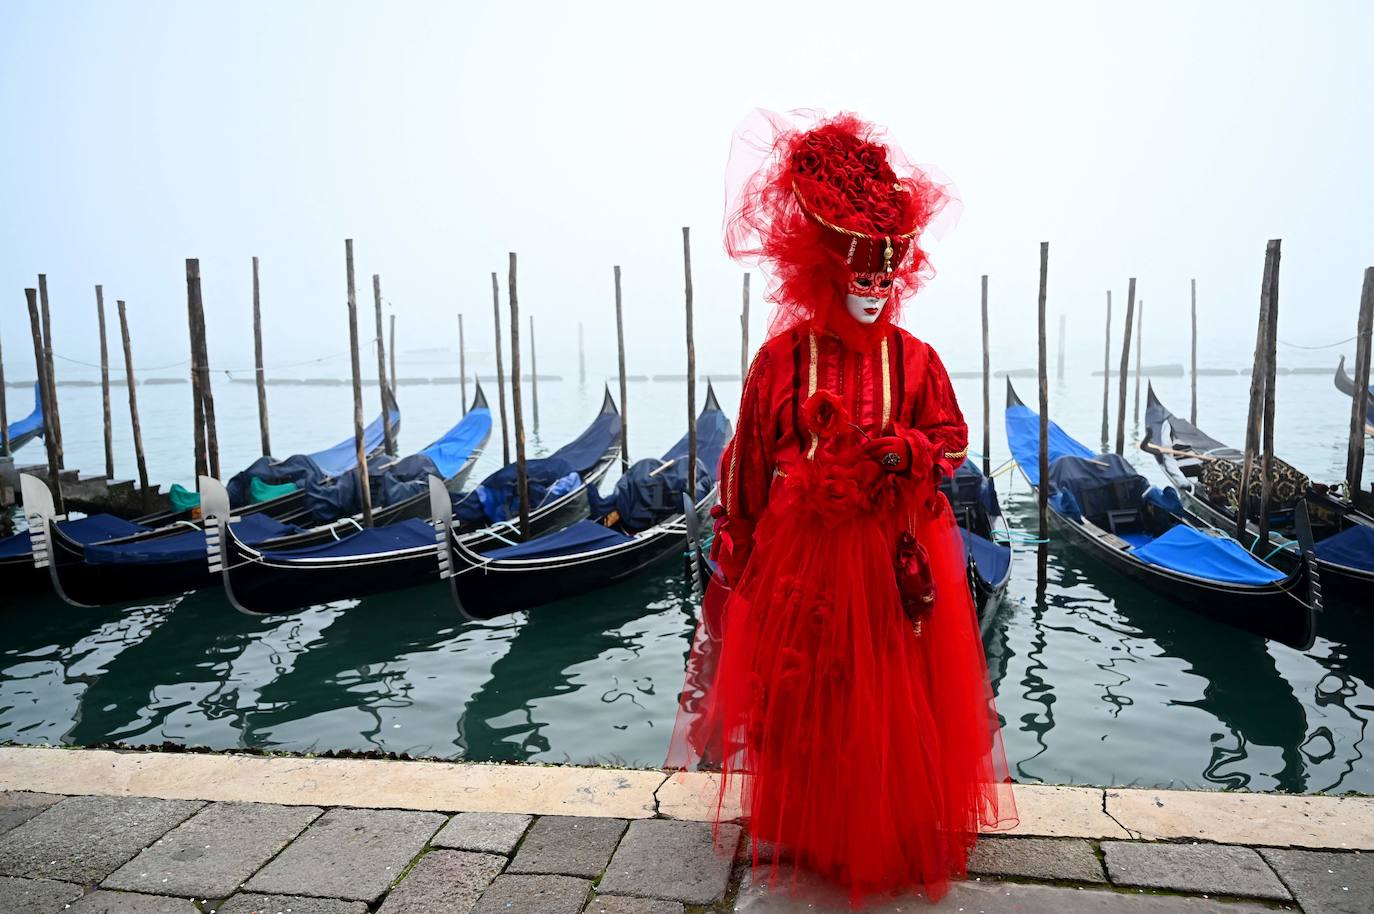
x=1344 y=536
x=261 y=489
x=24 y=430
x=973 y=498
x=278 y=488
x=408 y=553
x=1346 y=385
x=1112 y=514
x=638 y=525
x=172 y=559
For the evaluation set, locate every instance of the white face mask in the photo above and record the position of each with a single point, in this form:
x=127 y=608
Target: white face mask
x=864 y=309
x=868 y=293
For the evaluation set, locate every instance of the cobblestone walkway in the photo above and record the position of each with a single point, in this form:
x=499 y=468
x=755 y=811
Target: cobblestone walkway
x=90 y=854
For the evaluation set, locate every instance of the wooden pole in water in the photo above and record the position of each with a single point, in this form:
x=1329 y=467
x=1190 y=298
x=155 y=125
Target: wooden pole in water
x=691 y=365
x=1271 y=358
x=200 y=361
x=1125 y=369
x=1107 y=378
x=388 y=440
x=197 y=404
x=133 y=409
x=620 y=353
x=1192 y=410
x=1044 y=488
x=104 y=382
x=4 y=413
x=500 y=370
x=392 y=350
x=462 y=365
x=987 y=387
x=521 y=471
x=744 y=334
x=50 y=372
x=581 y=358
x=1258 y=376
x=49 y=436
x=1139 y=336
x=260 y=376
x=1059 y=367
x=1359 y=407
x=364 y=485
x=534 y=377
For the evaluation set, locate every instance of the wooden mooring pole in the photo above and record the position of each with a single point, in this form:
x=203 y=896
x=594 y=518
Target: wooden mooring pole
x=581 y=358
x=1192 y=410
x=1107 y=378
x=360 y=449
x=691 y=365
x=4 y=413
x=133 y=409
x=624 y=394
x=522 y=481
x=207 y=441
x=260 y=377
x=1139 y=337
x=1043 y=490
x=104 y=382
x=392 y=352
x=1125 y=368
x=50 y=374
x=987 y=387
x=534 y=377
x=389 y=440
x=1359 y=407
x=1259 y=397
x=44 y=395
x=500 y=370
x=1059 y=367
x=744 y=335
x=462 y=365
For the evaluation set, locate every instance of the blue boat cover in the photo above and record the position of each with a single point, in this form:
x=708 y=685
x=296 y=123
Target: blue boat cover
x=1023 y=437
x=84 y=530
x=1091 y=486
x=495 y=498
x=993 y=560
x=406 y=534
x=582 y=536
x=183 y=547
x=29 y=427
x=1352 y=547
x=393 y=481
x=1215 y=558
x=649 y=493
x=970 y=487
x=302 y=470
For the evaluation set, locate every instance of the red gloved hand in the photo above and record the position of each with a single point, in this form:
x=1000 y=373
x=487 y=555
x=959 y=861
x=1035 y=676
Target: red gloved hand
x=892 y=453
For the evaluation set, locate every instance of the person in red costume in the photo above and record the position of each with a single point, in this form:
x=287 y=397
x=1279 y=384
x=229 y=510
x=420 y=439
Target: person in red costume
x=838 y=679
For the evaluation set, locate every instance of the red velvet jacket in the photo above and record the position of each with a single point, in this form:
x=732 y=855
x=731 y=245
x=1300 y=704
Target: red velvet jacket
x=897 y=387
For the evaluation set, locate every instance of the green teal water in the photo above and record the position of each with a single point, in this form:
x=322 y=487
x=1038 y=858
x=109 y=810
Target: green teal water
x=1097 y=683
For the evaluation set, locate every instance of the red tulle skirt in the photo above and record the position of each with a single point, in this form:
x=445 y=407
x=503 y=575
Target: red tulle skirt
x=863 y=750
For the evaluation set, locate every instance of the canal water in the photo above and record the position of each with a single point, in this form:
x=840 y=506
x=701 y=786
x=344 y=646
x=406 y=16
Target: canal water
x=1098 y=683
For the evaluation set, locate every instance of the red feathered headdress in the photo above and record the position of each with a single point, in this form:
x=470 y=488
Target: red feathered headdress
x=814 y=203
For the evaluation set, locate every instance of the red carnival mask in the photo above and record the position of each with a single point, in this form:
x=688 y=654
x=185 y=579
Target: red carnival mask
x=870 y=285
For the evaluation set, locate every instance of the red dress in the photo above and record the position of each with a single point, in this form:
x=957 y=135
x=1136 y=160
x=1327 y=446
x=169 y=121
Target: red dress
x=865 y=745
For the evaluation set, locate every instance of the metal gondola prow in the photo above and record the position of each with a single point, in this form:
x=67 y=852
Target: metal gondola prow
x=441 y=518
x=40 y=511
x=217 y=514
x=696 y=553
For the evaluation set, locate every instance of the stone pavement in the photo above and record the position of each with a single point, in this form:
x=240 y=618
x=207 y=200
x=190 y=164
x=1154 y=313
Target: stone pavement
x=84 y=831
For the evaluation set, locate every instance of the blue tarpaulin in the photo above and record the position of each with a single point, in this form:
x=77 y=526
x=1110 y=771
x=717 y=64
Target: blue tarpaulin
x=406 y=534
x=582 y=536
x=992 y=559
x=1092 y=486
x=969 y=487
x=183 y=547
x=1352 y=547
x=393 y=481
x=303 y=470
x=31 y=426
x=1215 y=558
x=1023 y=437
x=495 y=498
x=83 y=530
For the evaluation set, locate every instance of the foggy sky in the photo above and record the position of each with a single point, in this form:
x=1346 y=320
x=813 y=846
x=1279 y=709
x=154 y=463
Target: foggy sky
x=1166 y=142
